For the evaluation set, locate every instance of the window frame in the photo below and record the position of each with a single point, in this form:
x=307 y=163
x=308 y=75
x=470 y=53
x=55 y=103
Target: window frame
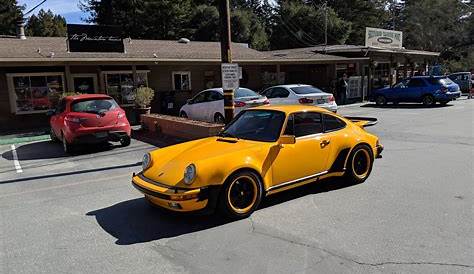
x=323 y=115
x=305 y=136
x=276 y=89
x=104 y=77
x=417 y=79
x=181 y=73
x=11 y=89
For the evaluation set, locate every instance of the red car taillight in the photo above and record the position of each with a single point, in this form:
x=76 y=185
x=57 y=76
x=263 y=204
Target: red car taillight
x=305 y=101
x=332 y=99
x=239 y=104
x=266 y=102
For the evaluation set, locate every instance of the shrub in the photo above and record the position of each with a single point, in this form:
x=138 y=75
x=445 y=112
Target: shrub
x=144 y=96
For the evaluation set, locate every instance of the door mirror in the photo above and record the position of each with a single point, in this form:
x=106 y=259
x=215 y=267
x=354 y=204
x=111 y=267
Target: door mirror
x=287 y=140
x=50 y=112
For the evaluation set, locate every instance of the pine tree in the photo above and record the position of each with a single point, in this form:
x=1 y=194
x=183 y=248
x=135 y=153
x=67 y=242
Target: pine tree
x=46 y=23
x=10 y=14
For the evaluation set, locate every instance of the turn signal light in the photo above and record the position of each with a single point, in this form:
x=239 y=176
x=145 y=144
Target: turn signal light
x=239 y=104
x=305 y=101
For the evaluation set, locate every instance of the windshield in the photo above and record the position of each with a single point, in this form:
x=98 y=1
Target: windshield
x=306 y=90
x=94 y=105
x=245 y=92
x=257 y=125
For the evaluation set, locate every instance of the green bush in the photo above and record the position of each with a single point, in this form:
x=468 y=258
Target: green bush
x=144 y=96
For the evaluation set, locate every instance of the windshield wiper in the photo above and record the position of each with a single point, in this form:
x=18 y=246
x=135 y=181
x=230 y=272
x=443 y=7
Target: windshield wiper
x=227 y=134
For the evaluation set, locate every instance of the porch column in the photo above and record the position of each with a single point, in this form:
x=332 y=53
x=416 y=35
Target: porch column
x=101 y=80
x=69 y=84
x=390 y=72
x=134 y=73
x=369 y=79
x=278 y=74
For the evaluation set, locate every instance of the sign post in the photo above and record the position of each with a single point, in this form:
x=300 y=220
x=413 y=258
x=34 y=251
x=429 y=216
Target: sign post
x=226 y=57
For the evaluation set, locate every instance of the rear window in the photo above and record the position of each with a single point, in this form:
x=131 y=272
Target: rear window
x=306 y=90
x=94 y=105
x=244 y=92
x=440 y=81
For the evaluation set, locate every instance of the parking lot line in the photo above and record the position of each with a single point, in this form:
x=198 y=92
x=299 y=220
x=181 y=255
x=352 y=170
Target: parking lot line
x=15 y=160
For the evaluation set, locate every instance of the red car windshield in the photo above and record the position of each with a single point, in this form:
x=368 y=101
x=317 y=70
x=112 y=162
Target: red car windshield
x=94 y=105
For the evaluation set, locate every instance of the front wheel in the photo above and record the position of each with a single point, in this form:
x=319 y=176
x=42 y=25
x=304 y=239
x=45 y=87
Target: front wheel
x=219 y=119
x=67 y=147
x=240 y=195
x=125 y=141
x=359 y=164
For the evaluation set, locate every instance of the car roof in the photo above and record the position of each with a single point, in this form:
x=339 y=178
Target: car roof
x=291 y=108
x=221 y=90
x=290 y=86
x=87 y=96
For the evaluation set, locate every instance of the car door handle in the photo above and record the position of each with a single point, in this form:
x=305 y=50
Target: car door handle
x=325 y=143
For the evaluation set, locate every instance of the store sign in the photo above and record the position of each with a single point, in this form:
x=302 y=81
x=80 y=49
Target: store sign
x=230 y=76
x=91 y=38
x=383 y=38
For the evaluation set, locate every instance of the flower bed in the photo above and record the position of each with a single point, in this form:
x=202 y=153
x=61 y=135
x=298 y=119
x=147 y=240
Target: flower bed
x=179 y=127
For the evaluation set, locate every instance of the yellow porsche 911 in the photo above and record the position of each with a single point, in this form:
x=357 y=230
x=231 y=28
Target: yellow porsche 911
x=263 y=151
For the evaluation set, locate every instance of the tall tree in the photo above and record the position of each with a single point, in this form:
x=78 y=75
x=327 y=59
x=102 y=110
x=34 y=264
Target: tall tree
x=46 y=23
x=10 y=13
x=301 y=24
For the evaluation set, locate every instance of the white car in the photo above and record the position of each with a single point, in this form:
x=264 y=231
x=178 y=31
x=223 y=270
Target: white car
x=300 y=94
x=208 y=105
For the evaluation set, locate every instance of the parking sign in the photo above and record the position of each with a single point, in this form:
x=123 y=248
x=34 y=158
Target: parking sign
x=230 y=76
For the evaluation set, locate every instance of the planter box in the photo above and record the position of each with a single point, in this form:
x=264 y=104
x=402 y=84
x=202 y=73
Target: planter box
x=179 y=127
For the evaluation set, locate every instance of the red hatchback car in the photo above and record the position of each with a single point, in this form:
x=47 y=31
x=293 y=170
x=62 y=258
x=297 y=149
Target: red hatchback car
x=89 y=119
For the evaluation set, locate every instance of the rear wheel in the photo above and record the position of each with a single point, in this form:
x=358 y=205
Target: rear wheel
x=428 y=100
x=183 y=114
x=359 y=164
x=125 y=141
x=380 y=100
x=218 y=118
x=240 y=195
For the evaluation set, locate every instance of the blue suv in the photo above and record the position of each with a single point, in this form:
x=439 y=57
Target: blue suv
x=419 y=89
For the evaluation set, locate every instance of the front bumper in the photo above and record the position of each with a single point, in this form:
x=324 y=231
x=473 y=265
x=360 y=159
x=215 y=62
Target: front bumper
x=448 y=96
x=179 y=199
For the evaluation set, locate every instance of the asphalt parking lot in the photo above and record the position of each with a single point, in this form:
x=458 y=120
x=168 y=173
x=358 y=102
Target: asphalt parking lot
x=80 y=214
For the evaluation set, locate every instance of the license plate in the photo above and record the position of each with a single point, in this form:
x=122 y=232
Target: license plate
x=101 y=134
x=321 y=101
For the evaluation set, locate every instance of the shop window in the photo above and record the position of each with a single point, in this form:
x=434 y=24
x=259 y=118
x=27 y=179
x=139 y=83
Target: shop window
x=30 y=93
x=181 y=80
x=119 y=85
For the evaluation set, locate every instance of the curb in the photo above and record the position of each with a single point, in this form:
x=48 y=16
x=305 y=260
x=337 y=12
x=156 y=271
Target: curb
x=19 y=140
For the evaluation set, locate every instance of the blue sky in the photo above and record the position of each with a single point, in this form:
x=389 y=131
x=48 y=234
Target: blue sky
x=67 y=8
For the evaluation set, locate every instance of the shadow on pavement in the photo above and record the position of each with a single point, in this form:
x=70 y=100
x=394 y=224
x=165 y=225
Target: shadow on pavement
x=135 y=221
x=404 y=106
x=51 y=150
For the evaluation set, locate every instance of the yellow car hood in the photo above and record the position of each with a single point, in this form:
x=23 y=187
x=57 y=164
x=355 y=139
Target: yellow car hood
x=168 y=164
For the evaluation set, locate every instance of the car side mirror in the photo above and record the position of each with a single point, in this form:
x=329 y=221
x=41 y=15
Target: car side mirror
x=50 y=112
x=287 y=140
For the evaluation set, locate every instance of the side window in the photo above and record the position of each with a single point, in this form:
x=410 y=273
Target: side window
x=199 y=98
x=280 y=93
x=215 y=96
x=332 y=123
x=415 y=82
x=307 y=123
x=267 y=92
x=289 y=130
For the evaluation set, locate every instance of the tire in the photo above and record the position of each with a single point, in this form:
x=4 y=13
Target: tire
x=359 y=164
x=125 y=141
x=53 y=136
x=219 y=119
x=241 y=195
x=380 y=100
x=428 y=100
x=183 y=114
x=443 y=103
x=67 y=147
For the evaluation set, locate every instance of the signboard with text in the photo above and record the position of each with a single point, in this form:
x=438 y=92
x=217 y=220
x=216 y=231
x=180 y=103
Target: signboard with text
x=383 y=38
x=230 y=76
x=92 y=38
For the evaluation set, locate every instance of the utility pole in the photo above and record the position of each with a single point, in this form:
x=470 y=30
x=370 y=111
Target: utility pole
x=226 y=56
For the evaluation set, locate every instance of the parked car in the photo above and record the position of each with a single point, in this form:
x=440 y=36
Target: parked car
x=300 y=95
x=263 y=151
x=88 y=119
x=463 y=79
x=208 y=105
x=419 y=89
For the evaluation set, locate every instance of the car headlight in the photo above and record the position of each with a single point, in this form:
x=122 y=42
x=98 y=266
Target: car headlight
x=146 y=163
x=189 y=174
